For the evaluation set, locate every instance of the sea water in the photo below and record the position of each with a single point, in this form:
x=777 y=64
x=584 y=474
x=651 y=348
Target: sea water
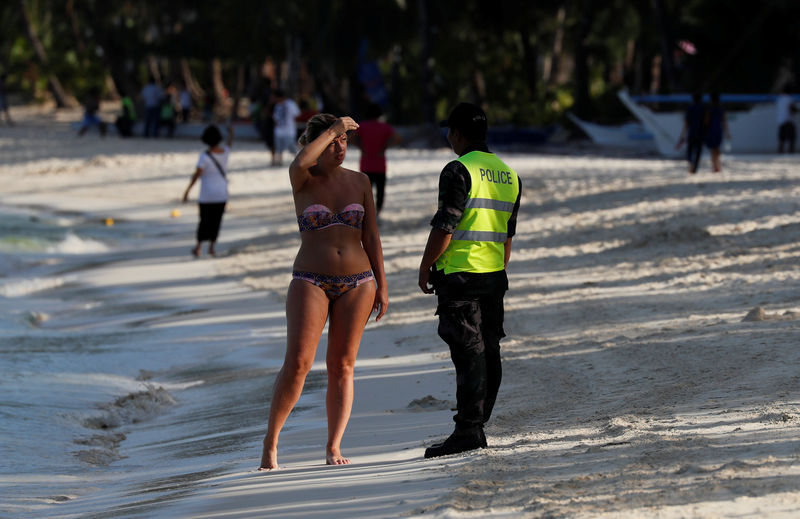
x=96 y=405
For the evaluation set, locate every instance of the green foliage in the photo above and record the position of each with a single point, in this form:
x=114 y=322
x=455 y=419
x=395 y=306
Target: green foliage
x=503 y=54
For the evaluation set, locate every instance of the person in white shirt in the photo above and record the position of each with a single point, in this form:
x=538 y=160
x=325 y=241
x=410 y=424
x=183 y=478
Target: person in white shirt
x=284 y=114
x=786 y=128
x=211 y=170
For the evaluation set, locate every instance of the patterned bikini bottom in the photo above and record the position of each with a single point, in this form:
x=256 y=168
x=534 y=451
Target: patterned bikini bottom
x=334 y=286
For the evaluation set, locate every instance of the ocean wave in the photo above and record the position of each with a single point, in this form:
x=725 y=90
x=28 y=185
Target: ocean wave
x=16 y=243
x=24 y=287
x=74 y=244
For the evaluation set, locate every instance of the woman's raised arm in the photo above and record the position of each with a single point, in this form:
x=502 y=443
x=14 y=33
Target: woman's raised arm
x=308 y=155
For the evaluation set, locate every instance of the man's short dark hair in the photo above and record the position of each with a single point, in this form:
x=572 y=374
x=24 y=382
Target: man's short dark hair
x=469 y=120
x=373 y=111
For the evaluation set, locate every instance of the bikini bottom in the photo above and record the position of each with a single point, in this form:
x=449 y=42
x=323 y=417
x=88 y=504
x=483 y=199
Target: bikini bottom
x=334 y=286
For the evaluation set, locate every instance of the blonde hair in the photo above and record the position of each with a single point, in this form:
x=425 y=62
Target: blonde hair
x=315 y=126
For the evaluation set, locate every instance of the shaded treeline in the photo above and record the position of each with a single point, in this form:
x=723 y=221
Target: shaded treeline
x=531 y=60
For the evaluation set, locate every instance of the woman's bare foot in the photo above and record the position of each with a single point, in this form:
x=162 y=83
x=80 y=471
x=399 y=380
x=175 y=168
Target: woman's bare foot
x=336 y=458
x=269 y=460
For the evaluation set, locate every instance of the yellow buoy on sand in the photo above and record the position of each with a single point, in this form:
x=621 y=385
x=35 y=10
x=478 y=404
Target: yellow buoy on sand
x=176 y=213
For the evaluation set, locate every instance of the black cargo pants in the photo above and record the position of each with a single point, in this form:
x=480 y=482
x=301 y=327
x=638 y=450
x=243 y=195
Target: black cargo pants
x=472 y=327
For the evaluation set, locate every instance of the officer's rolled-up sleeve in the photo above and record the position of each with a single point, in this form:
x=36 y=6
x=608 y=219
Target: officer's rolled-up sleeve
x=512 y=222
x=454 y=186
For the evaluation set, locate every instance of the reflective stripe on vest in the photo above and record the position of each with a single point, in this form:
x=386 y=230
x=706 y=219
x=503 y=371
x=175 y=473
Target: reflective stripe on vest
x=488 y=203
x=477 y=244
x=499 y=237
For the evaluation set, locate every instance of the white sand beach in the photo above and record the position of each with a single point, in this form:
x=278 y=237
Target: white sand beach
x=650 y=368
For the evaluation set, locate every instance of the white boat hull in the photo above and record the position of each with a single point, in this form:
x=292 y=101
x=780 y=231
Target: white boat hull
x=753 y=131
x=630 y=135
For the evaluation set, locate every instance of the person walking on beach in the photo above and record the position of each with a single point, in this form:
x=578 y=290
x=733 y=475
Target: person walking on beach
x=4 y=99
x=338 y=277
x=464 y=263
x=786 y=109
x=211 y=170
x=90 y=118
x=693 y=131
x=127 y=116
x=716 y=123
x=284 y=114
x=185 y=102
x=151 y=96
x=374 y=137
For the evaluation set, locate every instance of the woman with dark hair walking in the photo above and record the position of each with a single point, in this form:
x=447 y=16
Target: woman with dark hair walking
x=211 y=170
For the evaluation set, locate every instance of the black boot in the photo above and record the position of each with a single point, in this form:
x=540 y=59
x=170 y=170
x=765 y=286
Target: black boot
x=459 y=441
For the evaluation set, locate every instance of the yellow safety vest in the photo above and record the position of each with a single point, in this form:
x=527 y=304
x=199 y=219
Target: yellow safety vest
x=477 y=245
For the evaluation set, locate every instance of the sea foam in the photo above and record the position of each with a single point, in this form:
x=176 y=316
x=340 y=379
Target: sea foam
x=73 y=244
x=24 y=287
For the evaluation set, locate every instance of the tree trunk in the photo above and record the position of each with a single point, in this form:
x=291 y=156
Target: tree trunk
x=188 y=79
x=155 y=72
x=70 y=8
x=554 y=63
x=582 y=98
x=529 y=61
x=59 y=95
x=424 y=32
x=217 y=81
x=237 y=98
x=667 y=44
x=294 y=49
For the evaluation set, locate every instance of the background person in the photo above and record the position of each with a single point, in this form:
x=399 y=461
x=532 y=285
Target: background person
x=374 y=137
x=464 y=263
x=90 y=118
x=185 y=102
x=716 y=124
x=211 y=170
x=166 y=115
x=4 y=99
x=151 y=95
x=127 y=116
x=338 y=277
x=284 y=113
x=787 y=132
x=693 y=131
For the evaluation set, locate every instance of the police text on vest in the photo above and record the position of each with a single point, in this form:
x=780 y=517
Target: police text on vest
x=498 y=177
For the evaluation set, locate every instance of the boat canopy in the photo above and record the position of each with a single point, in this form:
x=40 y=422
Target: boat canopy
x=723 y=98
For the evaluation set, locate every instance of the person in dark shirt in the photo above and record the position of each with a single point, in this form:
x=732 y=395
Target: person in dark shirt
x=693 y=132
x=464 y=264
x=716 y=124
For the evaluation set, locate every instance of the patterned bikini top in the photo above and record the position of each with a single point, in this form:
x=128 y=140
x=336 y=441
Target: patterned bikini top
x=318 y=216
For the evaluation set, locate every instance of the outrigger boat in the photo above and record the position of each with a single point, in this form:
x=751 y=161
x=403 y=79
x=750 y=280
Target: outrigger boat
x=631 y=135
x=752 y=131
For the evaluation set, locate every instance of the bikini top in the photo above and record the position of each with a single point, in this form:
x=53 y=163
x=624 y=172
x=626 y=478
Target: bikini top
x=318 y=216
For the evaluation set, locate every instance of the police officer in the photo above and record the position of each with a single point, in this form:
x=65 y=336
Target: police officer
x=464 y=264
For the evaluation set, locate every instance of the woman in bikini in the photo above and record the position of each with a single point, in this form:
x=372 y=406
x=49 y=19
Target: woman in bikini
x=338 y=277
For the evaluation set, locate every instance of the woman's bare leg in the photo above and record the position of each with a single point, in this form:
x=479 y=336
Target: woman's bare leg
x=349 y=314
x=306 y=312
x=716 y=163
